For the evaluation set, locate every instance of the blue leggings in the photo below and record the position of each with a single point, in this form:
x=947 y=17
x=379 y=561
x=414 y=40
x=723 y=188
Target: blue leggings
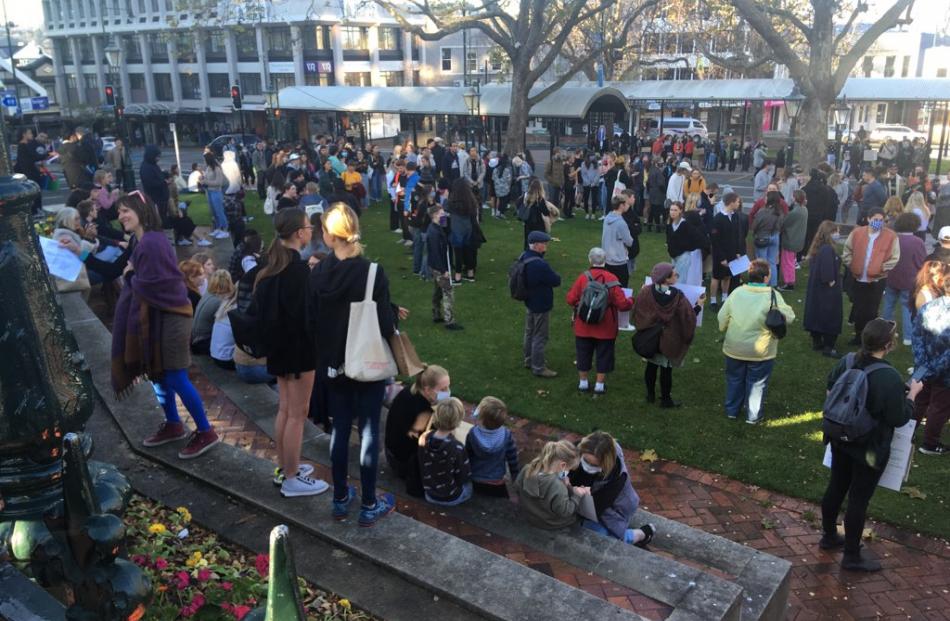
x=175 y=382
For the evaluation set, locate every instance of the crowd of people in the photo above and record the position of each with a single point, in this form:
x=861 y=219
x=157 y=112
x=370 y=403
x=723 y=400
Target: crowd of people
x=296 y=297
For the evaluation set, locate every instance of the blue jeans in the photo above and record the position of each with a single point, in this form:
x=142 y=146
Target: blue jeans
x=376 y=187
x=256 y=374
x=465 y=495
x=771 y=254
x=216 y=203
x=746 y=382
x=176 y=382
x=603 y=199
x=362 y=403
x=892 y=297
x=418 y=250
x=600 y=529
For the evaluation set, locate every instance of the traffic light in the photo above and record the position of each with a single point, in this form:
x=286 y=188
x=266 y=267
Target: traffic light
x=119 y=111
x=277 y=113
x=236 y=97
x=110 y=96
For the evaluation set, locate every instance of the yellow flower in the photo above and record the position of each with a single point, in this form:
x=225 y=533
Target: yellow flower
x=157 y=529
x=345 y=604
x=195 y=559
x=184 y=513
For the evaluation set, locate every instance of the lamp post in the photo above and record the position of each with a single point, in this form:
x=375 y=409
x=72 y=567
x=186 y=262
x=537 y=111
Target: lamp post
x=272 y=103
x=473 y=103
x=842 y=115
x=793 y=106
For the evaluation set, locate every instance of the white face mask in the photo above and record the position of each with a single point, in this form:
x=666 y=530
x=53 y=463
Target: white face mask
x=442 y=395
x=562 y=474
x=588 y=468
x=475 y=412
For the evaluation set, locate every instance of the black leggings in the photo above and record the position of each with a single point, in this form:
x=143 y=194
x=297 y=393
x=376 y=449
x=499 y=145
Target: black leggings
x=465 y=259
x=858 y=481
x=657 y=214
x=569 y=192
x=666 y=380
x=591 y=194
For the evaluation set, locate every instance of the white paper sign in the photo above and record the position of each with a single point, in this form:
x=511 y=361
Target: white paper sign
x=623 y=317
x=61 y=262
x=740 y=265
x=898 y=465
x=692 y=293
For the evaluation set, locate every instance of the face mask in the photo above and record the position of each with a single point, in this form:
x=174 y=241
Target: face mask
x=665 y=289
x=343 y=155
x=475 y=412
x=443 y=220
x=562 y=474
x=876 y=225
x=442 y=395
x=588 y=468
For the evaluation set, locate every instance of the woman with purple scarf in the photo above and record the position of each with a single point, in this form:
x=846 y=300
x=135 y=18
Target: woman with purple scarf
x=152 y=328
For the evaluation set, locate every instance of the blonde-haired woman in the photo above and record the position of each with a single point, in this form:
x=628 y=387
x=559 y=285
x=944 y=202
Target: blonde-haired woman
x=917 y=205
x=220 y=288
x=892 y=208
x=408 y=418
x=535 y=209
x=603 y=470
x=335 y=283
x=544 y=491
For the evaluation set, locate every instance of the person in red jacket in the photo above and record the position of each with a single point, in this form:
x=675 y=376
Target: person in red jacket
x=597 y=337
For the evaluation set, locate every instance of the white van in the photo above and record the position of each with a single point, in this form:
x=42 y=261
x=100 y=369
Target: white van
x=679 y=126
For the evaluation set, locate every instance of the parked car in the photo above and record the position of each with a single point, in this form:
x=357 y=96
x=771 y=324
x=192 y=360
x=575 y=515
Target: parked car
x=217 y=145
x=679 y=126
x=897 y=132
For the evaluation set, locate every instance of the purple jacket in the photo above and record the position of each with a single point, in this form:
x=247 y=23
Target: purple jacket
x=913 y=255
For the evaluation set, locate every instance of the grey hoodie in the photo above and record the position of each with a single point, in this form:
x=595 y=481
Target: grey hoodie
x=616 y=239
x=546 y=500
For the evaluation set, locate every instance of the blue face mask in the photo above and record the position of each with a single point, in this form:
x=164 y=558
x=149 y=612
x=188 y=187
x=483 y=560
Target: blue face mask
x=475 y=412
x=562 y=474
x=442 y=395
x=876 y=225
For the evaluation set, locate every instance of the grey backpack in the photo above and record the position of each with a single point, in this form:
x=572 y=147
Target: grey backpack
x=595 y=299
x=846 y=417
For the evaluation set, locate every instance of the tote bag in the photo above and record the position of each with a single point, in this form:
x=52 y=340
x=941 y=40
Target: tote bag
x=368 y=357
x=407 y=360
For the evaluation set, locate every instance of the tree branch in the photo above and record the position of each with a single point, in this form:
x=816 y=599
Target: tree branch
x=794 y=19
x=561 y=81
x=733 y=64
x=760 y=22
x=554 y=48
x=444 y=28
x=887 y=21
x=846 y=29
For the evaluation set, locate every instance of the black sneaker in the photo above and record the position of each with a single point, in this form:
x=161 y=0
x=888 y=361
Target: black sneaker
x=939 y=449
x=831 y=353
x=438 y=320
x=454 y=326
x=669 y=404
x=858 y=562
x=787 y=288
x=831 y=542
x=649 y=530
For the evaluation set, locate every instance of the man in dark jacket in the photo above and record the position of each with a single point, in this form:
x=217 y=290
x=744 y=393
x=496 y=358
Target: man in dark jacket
x=451 y=168
x=437 y=243
x=822 y=201
x=540 y=281
x=76 y=159
x=153 y=180
x=873 y=195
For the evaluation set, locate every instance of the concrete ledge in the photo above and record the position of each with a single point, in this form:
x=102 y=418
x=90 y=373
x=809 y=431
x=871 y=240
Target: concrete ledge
x=21 y=599
x=488 y=584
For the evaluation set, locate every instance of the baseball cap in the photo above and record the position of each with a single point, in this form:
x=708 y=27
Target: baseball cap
x=944 y=233
x=685 y=166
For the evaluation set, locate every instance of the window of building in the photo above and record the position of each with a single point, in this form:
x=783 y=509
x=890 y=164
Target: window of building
x=282 y=80
x=471 y=61
x=158 y=46
x=446 y=59
x=686 y=43
x=250 y=83
x=218 y=85
x=245 y=40
x=133 y=51
x=71 y=82
x=163 y=87
x=356 y=78
x=390 y=38
x=215 y=49
x=494 y=62
x=393 y=78
x=278 y=41
x=867 y=66
x=354 y=37
x=89 y=80
x=86 y=55
x=651 y=43
x=190 y=86
x=881 y=114
x=905 y=67
x=889 y=66
x=310 y=36
x=137 y=81
x=671 y=44
x=185 y=47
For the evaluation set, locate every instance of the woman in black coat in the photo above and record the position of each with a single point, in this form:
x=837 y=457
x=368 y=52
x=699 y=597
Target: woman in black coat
x=656 y=193
x=537 y=207
x=823 y=305
x=617 y=173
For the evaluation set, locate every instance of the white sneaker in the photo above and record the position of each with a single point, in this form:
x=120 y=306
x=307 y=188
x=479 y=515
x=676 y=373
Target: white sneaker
x=486 y=206
x=906 y=342
x=301 y=485
x=204 y=243
x=183 y=242
x=398 y=231
x=222 y=234
x=601 y=217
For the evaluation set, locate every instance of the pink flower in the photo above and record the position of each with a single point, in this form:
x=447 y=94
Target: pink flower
x=227 y=586
x=161 y=563
x=240 y=612
x=198 y=601
x=204 y=574
x=182 y=580
x=262 y=564
x=139 y=559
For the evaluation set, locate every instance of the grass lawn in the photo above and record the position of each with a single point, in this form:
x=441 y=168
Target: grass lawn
x=783 y=454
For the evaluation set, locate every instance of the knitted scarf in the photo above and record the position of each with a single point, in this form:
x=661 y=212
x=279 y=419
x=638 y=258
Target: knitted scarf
x=155 y=287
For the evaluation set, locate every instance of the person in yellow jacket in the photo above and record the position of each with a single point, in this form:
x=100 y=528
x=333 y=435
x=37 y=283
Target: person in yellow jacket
x=749 y=346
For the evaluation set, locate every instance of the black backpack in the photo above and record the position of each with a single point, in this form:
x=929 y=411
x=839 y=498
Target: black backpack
x=595 y=299
x=845 y=413
x=516 y=278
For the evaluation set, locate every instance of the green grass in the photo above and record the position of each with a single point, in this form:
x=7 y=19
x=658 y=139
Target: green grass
x=784 y=454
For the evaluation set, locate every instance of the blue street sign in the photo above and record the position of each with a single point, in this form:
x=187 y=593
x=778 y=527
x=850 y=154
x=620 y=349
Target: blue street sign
x=9 y=101
x=40 y=103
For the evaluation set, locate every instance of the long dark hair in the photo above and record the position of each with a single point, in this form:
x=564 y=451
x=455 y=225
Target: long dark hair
x=287 y=222
x=823 y=237
x=211 y=160
x=143 y=208
x=462 y=199
x=877 y=335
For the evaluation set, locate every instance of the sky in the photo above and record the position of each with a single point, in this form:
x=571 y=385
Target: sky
x=29 y=13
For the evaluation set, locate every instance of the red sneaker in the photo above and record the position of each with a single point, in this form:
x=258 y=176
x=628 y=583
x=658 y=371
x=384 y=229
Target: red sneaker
x=168 y=432
x=199 y=444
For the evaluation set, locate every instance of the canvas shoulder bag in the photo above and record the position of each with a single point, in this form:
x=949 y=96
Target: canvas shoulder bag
x=368 y=357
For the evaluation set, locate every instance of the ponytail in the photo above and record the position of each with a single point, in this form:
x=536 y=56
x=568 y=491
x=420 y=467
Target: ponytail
x=562 y=450
x=286 y=224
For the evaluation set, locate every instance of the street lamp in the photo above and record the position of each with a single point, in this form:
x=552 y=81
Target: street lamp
x=842 y=115
x=272 y=103
x=473 y=102
x=793 y=106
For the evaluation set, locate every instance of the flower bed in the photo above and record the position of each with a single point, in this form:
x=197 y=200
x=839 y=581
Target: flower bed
x=196 y=576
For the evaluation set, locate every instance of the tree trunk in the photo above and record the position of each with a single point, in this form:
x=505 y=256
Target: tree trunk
x=518 y=112
x=811 y=133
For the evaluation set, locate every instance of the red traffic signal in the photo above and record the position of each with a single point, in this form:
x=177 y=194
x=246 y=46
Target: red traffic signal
x=236 y=97
x=110 y=96
x=277 y=113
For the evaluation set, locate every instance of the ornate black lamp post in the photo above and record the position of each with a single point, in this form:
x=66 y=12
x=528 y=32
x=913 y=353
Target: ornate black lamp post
x=842 y=115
